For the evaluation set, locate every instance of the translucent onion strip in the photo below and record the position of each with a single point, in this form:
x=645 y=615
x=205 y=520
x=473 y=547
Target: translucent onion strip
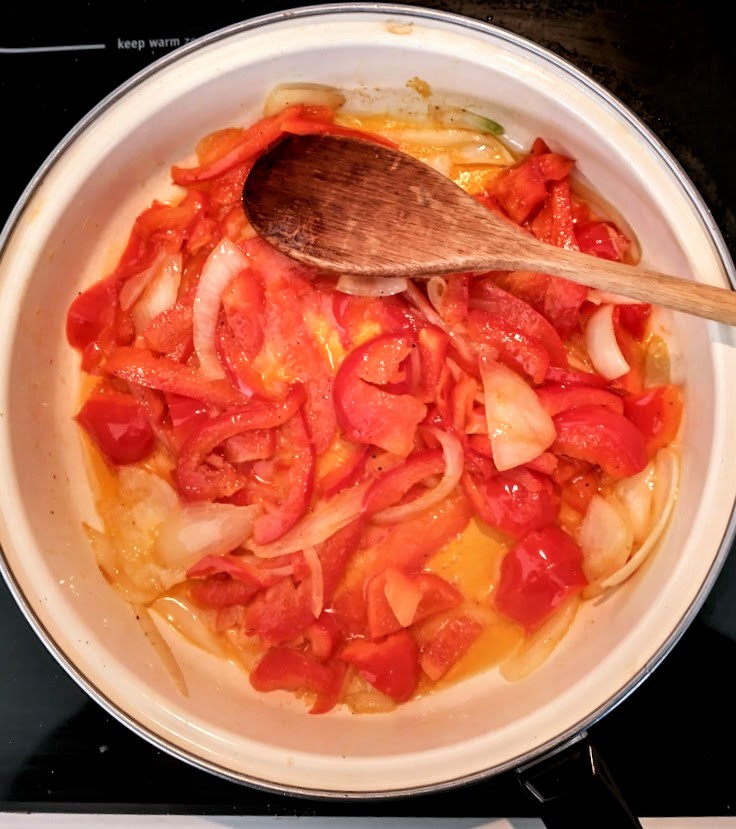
x=135 y=286
x=454 y=457
x=436 y=288
x=666 y=470
x=318 y=583
x=160 y=294
x=603 y=349
x=371 y=285
x=450 y=116
x=160 y=645
x=308 y=94
x=519 y=427
x=536 y=649
x=606 y=538
x=224 y=263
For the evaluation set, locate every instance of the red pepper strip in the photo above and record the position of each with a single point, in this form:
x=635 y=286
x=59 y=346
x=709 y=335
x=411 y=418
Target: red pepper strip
x=448 y=644
x=556 y=399
x=486 y=296
x=514 y=348
x=571 y=377
x=239 y=369
x=299 y=486
x=602 y=437
x=168 y=330
x=553 y=224
x=286 y=669
x=170 y=224
x=323 y=636
x=117 y=424
x=281 y=613
x=348 y=472
x=195 y=480
x=602 y=239
x=537 y=575
x=229 y=580
x=141 y=367
x=391 y=666
x=523 y=189
x=369 y=414
x=454 y=301
x=433 y=344
x=634 y=318
x=517 y=501
x=393 y=485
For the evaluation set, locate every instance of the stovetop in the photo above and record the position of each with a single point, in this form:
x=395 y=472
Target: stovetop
x=670 y=745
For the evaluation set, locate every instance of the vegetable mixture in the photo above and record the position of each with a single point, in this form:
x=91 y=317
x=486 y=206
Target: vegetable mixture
x=363 y=490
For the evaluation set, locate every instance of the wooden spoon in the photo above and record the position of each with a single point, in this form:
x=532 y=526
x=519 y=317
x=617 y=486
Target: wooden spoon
x=350 y=206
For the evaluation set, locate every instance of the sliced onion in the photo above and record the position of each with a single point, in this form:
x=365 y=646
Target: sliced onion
x=636 y=496
x=603 y=349
x=489 y=151
x=417 y=299
x=519 y=427
x=535 y=650
x=403 y=596
x=606 y=538
x=318 y=584
x=371 y=285
x=308 y=94
x=659 y=325
x=454 y=457
x=436 y=288
x=160 y=294
x=666 y=471
x=450 y=116
x=603 y=297
x=327 y=518
x=161 y=647
x=441 y=162
x=224 y=263
x=187 y=621
x=135 y=286
x=194 y=530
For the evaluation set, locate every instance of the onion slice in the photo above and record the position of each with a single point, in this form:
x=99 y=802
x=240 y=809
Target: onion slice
x=666 y=470
x=606 y=538
x=224 y=263
x=137 y=283
x=160 y=294
x=317 y=599
x=371 y=285
x=328 y=517
x=603 y=349
x=308 y=94
x=519 y=427
x=197 y=529
x=454 y=458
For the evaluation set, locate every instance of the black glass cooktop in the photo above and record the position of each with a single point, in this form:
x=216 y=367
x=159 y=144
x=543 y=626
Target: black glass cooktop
x=671 y=744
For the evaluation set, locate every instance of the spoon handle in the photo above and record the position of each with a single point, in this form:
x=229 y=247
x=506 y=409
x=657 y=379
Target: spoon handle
x=634 y=282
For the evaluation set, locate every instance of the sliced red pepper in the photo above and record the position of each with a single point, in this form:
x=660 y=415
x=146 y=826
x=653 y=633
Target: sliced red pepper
x=537 y=575
x=517 y=501
x=557 y=398
x=602 y=239
x=287 y=669
x=433 y=344
x=391 y=665
x=367 y=413
x=348 y=472
x=392 y=486
x=244 y=303
x=602 y=437
x=169 y=225
x=515 y=349
x=299 y=484
x=141 y=367
x=449 y=643
x=634 y=318
x=198 y=481
x=572 y=377
x=486 y=296
x=117 y=424
x=281 y=613
x=657 y=413
x=323 y=636
x=523 y=189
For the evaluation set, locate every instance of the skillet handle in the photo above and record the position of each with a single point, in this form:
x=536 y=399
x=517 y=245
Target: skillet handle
x=573 y=788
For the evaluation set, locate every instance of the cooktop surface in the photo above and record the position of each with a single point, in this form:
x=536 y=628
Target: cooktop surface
x=670 y=745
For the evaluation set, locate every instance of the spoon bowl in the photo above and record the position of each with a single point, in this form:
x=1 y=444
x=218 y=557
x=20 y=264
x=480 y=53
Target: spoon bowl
x=346 y=205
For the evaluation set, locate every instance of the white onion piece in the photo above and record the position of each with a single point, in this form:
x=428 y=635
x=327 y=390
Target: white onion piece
x=135 y=286
x=450 y=116
x=519 y=427
x=160 y=294
x=660 y=325
x=161 y=647
x=441 y=162
x=224 y=263
x=197 y=529
x=322 y=522
x=606 y=297
x=371 y=285
x=666 y=470
x=536 y=649
x=635 y=496
x=454 y=458
x=436 y=288
x=308 y=94
x=489 y=151
x=606 y=538
x=403 y=596
x=603 y=349
x=317 y=598
x=186 y=619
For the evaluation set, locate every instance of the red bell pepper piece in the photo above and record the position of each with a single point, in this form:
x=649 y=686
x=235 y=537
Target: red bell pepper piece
x=557 y=398
x=449 y=643
x=515 y=349
x=117 y=424
x=657 y=413
x=393 y=485
x=391 y=665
